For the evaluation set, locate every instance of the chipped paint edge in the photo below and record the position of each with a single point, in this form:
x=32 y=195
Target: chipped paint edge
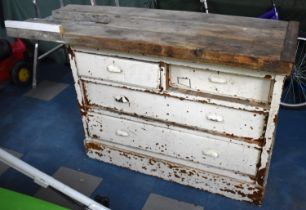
x=266 y=154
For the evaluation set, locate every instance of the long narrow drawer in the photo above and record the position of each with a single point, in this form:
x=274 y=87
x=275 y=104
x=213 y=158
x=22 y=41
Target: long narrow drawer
x=220 y=83
x=119 y=70
x=174 y=143
x=206 y=116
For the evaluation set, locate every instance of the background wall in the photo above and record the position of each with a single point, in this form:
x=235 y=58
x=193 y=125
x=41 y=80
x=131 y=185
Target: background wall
x=288 y=9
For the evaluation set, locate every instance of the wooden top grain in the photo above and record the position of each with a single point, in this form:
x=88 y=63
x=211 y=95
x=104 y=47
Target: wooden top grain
x=208 y=38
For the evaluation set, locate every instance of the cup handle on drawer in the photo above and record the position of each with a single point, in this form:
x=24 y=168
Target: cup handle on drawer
x=122 y=99
x=122 y=133
x=217 y=80
x=113 y=69
x=184 y=81
x=215 y=117
x=210 y=153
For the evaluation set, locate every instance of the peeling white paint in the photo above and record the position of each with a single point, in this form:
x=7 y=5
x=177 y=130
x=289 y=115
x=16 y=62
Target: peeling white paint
x=212 y=130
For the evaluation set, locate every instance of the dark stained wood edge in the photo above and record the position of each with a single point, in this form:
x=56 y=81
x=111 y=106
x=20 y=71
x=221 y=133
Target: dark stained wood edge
x=290 y=43
x=154 y=49
x=182 y=53
x=280 y=65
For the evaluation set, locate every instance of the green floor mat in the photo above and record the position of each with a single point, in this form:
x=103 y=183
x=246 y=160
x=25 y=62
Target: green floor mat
x=10 y=200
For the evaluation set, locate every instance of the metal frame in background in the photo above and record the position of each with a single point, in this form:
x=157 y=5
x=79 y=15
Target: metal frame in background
x=296 y=81
x=37 y=58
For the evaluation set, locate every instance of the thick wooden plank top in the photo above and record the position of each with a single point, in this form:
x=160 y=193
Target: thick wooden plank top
x=208 y=38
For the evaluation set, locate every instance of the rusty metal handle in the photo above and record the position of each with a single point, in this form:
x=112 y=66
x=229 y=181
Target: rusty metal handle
x=122 y=133
x=215 y=117
x=122 y=99
x=217 y=80
x=210 y=153
x=113 y=69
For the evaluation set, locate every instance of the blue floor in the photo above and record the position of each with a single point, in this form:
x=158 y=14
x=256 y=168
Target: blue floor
x=49 y=135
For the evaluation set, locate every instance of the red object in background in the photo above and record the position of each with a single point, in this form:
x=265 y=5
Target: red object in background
x=18 y=49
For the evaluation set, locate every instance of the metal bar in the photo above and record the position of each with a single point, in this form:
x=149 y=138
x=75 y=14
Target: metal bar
x=275 y=10
x=62 y=4
x=117 y=3
x=205 y=5
x=45 y=180
x=36 y=8
x=293 y=105
x=93 y=2
x=35 y=60
x=50 y=51
x=37 y=15
x=302 y=38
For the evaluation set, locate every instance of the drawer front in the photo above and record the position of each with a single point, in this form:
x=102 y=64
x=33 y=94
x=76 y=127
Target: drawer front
x=219 y=83
x=184 y=112
x=174 y=143
x=119 y=70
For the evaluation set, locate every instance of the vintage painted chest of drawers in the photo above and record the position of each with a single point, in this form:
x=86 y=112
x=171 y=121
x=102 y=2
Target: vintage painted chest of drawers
x=188 y=97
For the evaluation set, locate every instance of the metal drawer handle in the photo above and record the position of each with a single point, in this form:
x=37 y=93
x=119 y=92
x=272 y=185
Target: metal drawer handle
x=122 y=133
x=113 y=69
x=215 y=117
x=210 y=153
x=217 y=80
x=122 y=99
x=184 y=81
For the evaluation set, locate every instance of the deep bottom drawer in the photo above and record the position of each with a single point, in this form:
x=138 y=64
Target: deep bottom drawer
x=175 y=143
x=168 y=170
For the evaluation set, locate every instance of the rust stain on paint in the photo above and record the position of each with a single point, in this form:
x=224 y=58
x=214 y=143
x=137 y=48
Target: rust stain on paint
x=93 y=146
x=71 y=52
x=268 y=76
x=86 y=102
x=256 y=196
x=275 y=118
x=228 y=190
x=260 y=177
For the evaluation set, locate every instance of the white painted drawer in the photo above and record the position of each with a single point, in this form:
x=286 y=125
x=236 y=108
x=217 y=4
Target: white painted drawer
x=174 y=110
x=119 y=70
x=220 y=83
x=174 y=143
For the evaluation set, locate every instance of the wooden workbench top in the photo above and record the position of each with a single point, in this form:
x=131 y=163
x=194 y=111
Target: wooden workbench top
x=208 y=38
